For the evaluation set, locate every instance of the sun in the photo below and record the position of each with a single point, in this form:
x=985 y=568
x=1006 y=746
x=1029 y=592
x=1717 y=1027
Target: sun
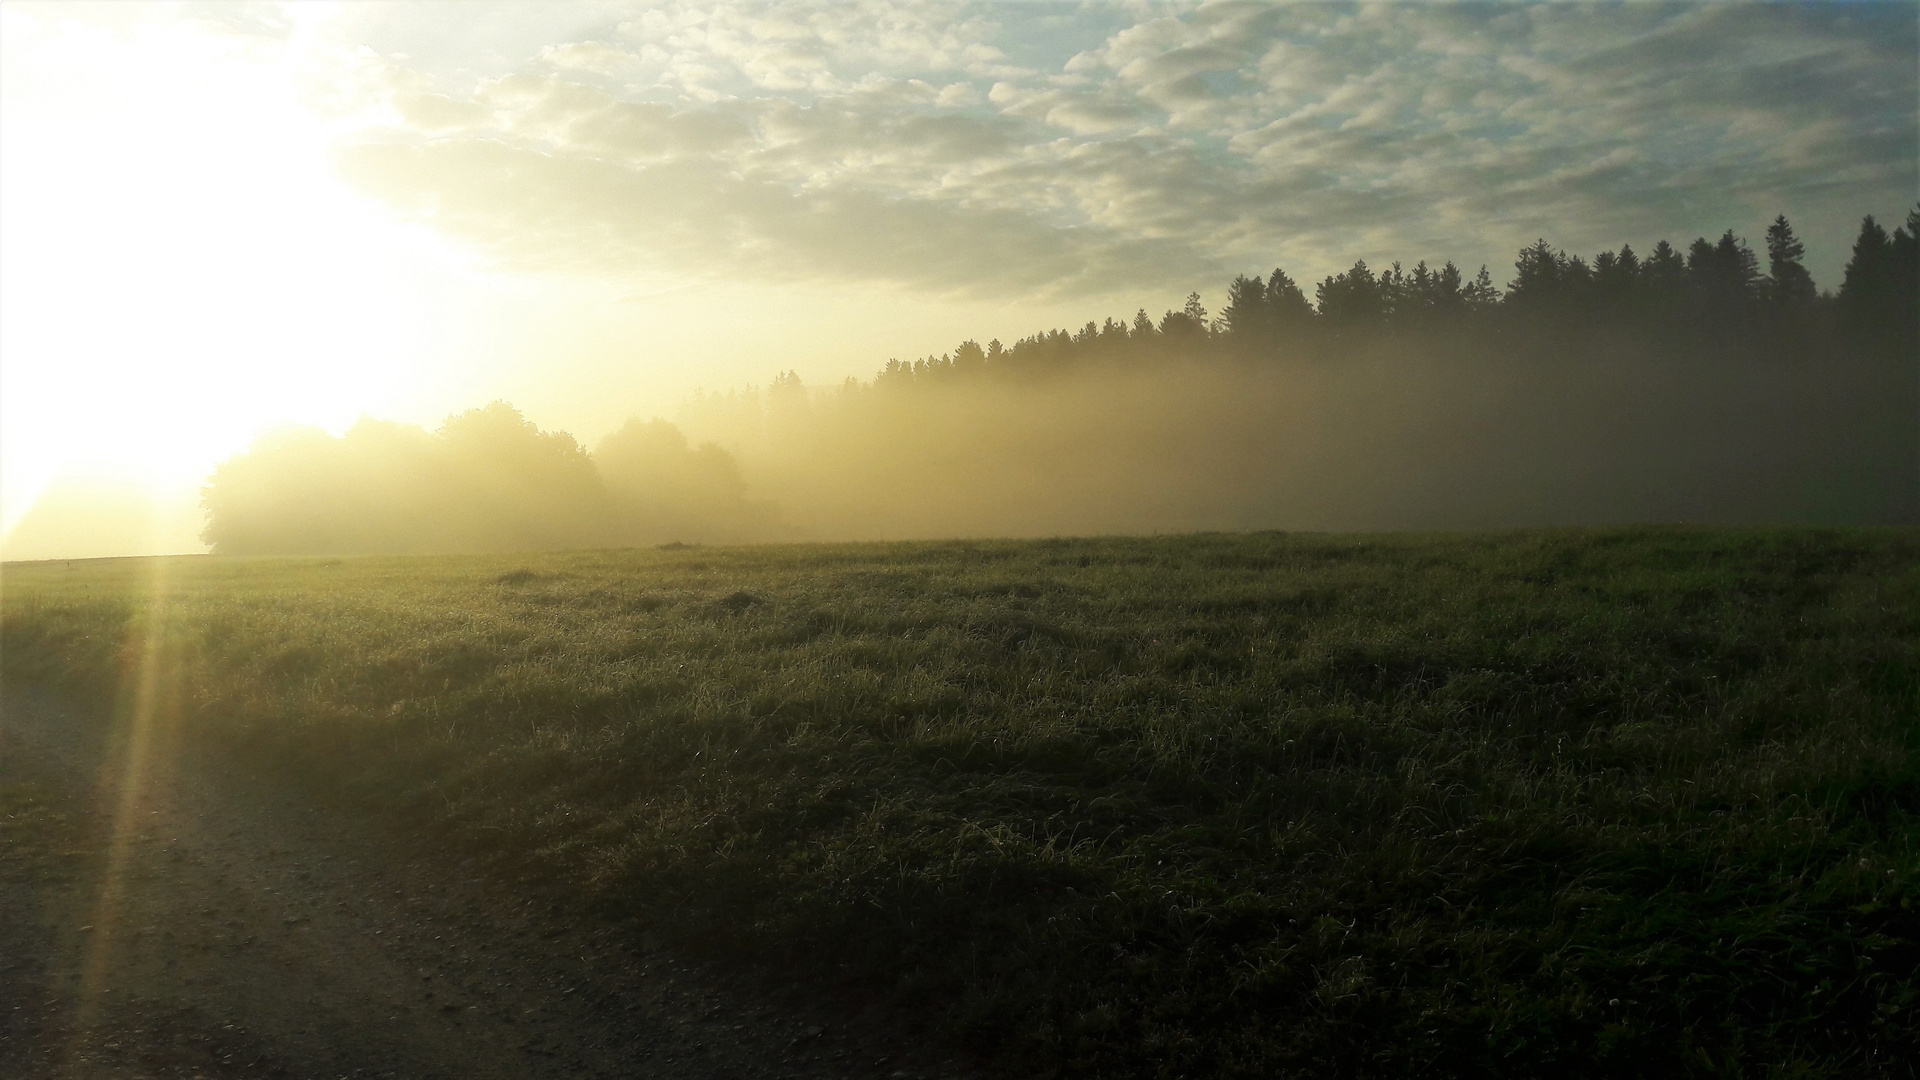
x=182 y=265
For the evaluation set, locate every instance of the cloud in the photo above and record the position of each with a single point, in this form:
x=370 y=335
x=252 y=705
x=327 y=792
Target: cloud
x=582 y=214
x=1002 y=150
x=597 y=57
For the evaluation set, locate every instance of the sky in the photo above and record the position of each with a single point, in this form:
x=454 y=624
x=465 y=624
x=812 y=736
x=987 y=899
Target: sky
x=220 y=218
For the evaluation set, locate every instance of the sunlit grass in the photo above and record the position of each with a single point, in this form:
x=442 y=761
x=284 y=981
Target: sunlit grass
x=1630 y=802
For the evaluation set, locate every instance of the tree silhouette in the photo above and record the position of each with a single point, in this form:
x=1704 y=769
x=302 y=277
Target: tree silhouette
x=1906 y=273
x=1616 y=280
x=666 y=489
x=1482 y=295
x=1707 y=298
x=1724 y=273
x=969 y=358
x=1247 y=312
x=1878 y=292
x=1866 y=289
x=487 y=480
x=1548 y=281
x=1291 y=310
x=1448 y=292
x=1664 y=272
x=1186 y=326
x=1351 y=299
x=1788 y=283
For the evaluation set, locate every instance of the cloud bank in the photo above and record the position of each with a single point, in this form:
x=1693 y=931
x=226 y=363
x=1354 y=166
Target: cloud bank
x=990 y=150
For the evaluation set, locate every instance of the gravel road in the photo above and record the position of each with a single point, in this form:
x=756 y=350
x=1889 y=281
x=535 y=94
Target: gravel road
x=161 y=917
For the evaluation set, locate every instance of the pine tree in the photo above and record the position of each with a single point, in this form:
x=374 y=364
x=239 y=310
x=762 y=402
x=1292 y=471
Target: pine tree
x=1482 y=295
x=1536 y=278
x=1663 y=276
x=1392 y=285
x=1187 y=324
x=1788 y=283
x=1247 y=315
x=1616 y=275
x=1289 y=305
x=1420 y=283
x=1449 y=299
x=1906 y=260
x=1868 y=284
x=1906 y=278
x=1878 y=294
x=969 y=357
x=1352 y=298
x=1737 y=263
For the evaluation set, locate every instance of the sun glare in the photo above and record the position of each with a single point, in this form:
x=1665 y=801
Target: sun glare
x=182 y=265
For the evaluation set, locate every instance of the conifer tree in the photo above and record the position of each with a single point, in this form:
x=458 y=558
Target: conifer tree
x=1420 y=287
x=1546 y=279
x=1247 y=314
x=1615 y=277
x=1289 y=305
x=1482 y=295
x=969 y=357
x=1663 y=279
x=1878 y=293
x=1788 y=283
x=1449 y=296
x=1395 y=293
x=1536 y=278
x=1867 y=286
x=1737 y=264
x=1906 y=276
x=1188 y=324
x=1351 y=298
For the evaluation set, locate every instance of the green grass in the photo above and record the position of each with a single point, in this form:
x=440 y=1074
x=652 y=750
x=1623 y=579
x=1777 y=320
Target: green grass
x=1625 y=803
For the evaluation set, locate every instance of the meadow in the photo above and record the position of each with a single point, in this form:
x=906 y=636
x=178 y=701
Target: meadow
x=1625 y=802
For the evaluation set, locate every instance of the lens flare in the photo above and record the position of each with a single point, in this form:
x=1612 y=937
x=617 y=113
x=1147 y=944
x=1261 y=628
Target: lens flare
x=147 y=703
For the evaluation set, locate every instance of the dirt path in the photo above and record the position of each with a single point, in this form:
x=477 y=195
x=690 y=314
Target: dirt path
x=188 y=923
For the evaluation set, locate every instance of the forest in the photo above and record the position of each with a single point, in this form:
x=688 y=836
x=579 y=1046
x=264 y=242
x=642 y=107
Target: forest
x=1705 y=386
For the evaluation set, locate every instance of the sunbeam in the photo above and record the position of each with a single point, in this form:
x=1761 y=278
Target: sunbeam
x=144 y=704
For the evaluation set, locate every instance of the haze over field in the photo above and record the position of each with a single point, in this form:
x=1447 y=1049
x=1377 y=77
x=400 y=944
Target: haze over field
x=825 y=539
x=217 y=221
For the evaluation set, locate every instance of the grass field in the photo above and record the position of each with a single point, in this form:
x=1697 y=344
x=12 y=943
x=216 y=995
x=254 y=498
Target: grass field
x=1627 y=803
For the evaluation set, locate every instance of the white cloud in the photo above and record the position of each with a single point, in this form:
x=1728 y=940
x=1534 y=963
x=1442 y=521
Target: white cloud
x=954 y=139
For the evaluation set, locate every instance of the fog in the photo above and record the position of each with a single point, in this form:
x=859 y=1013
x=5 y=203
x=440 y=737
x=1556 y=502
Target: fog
x=487 y=480
x=1614 y=390
x=1401 y=435
x=86 y=514
x=1608 y=391
x=404 y=211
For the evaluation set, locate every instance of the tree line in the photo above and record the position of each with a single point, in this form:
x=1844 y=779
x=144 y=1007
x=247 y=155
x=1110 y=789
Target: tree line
x=1701 y=386
x=487 y=479
x=1716 y=292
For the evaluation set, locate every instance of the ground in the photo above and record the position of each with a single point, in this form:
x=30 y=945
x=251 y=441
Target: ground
x=1616 y=802
x=210 y=924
